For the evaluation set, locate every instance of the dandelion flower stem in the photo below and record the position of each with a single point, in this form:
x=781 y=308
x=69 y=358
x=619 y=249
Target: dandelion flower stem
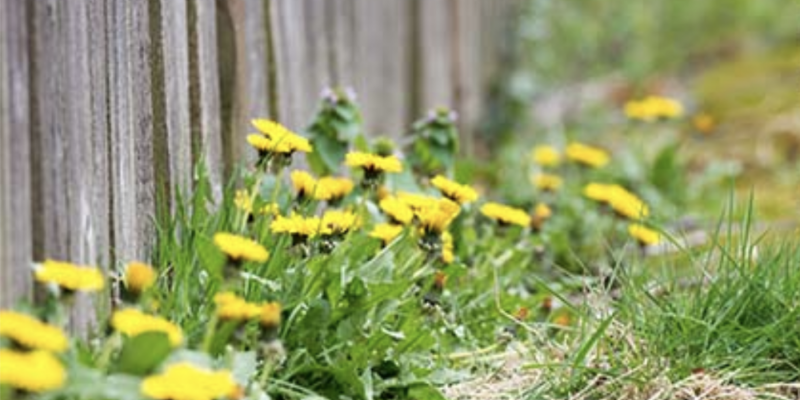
x=211 y=329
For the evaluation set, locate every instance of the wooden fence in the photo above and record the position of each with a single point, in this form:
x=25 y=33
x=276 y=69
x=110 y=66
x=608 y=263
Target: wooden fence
x=103 y=102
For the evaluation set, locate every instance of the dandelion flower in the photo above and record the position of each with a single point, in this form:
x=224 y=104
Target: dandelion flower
x=305 y=185
x=133 y=322
x=454 y=190
x=386 y=232
x=620 y=199
x=234 y=308
x=139 y=277
x=184 y=381
x=546 y=156
x=415 y=201
x=547 y=182
x=436 y=217
x=652 y=108
x=280 y=139
x=373 y=165
x=70 y=276
x=270 y=315
x=30 y=333
x=542 y=211
x=506 y=215
x=397 y=210
x=333 y=189
x=644 y=235
x=587 y=155
x=296 y=225
x=239 y=248
x=337 y=222
x=36 y=371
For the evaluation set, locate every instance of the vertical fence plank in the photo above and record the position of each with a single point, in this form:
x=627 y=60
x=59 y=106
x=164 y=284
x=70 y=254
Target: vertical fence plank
x=207 y=76
x=251 y=97
x=99 y=131
x=340 y=30
x=434 y=80
x=49 y=155
x=74 y=105
x=133 y=185
x=382 y=77
x=15 y=206
x=175 y=81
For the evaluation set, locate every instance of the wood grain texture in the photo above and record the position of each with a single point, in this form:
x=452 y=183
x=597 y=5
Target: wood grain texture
x=251 y=96
x=175 y=80
x=131 y=130
x=15 y=206
x=381 y=70
x=435 y=80
x=210 y=139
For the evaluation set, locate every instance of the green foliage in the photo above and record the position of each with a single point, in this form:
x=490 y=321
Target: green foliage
x=336 y=124
x=434 y=143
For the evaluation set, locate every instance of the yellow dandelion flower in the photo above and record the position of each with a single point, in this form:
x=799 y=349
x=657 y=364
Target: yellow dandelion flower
x=396 y=209
x=620 y=199
x=644 y=235
x=70 y=276
x=505 y=214
x=270 y=315
x=36 y=371
x=599 y=191
x=334 y=188
x=454 y=190
x=243 y=201
x=417 y=202
x=542 y=211
x=184 y=381
x=704 y=123
x=628 y=205
x=338 y=222
x=373 y=163
x=546 y=156
x=30 y=333
x=652 y=108
x=279 y=138
x=296 y=225
x=133 y=322
x=547 y=182
x=139 y=277
x=232 y=307
x=437 y=216
x=447 y=248
x=587 y=155
x=383 y=192
x=386 y=232
x=306 y=185
x=239 y=248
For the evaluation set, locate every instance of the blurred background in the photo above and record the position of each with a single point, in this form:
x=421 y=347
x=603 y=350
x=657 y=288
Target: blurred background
x=734 y=65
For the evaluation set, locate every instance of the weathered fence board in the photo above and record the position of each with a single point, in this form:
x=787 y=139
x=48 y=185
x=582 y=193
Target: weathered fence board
x=15 y=185
x=206 y=78
x=106 y=106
